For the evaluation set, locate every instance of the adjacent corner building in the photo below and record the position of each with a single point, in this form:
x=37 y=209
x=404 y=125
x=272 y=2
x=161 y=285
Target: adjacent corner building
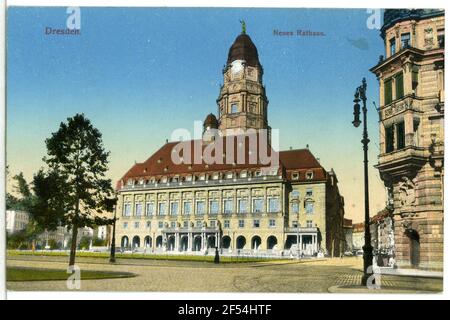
x=411 y=122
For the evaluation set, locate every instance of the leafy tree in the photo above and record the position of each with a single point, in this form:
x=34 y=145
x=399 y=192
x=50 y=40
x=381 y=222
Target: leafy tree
x=99 y=242
x=77 y=163
x=84 y=242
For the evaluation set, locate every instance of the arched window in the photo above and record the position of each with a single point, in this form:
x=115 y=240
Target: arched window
x=256 y=242
x=240 y=242
x=271 y=242
x=124 y=242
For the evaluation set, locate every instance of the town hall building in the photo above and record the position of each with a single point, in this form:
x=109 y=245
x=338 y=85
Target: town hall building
x=241 y=205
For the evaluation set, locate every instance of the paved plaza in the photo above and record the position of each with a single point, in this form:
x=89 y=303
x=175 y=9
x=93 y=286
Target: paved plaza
x=184 y=276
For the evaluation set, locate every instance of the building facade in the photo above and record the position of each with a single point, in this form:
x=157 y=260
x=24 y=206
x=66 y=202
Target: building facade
x=358 y=236
x=411 y=160
x=16 y=220
x=239 y=203
x=383 y=241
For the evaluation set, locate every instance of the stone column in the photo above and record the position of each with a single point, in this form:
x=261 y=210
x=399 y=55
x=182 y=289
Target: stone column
x=382 y=138
x=203 y=241
x=301 y=242
x=189 y=248
x=177 y=241
x=409 y=128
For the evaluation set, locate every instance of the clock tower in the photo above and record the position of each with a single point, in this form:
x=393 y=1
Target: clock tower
x=242 y=100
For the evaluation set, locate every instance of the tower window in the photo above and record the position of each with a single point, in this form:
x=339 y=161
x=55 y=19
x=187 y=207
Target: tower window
x=400 y=135
x=406 y=38
x=415 y=78
x=389 y=134
x=399 y=93
x=234 y=108
x=392 y=46
x=440 y=37
x=387 y=91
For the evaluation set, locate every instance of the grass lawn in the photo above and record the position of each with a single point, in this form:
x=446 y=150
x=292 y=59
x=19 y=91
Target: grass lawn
x=209 y=258
x=32 y=274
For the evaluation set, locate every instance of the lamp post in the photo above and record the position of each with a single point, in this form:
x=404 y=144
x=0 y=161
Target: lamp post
x=360 y=95
x=112 y=204
x=298 y=231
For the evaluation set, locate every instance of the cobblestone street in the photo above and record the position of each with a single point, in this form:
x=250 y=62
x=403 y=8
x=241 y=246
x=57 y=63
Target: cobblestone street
x=177 y=276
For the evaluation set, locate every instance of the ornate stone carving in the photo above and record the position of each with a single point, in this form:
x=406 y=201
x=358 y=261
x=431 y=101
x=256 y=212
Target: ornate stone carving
x=428 y=37
x=407 y=188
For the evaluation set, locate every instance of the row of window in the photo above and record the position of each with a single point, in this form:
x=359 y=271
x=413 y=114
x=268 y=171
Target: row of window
x=395 y=136
x=226 y=224
x=405 y=41
x=205 y=177
x=273 y=206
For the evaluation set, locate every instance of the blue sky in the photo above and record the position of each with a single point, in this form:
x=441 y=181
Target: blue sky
x=139 y=73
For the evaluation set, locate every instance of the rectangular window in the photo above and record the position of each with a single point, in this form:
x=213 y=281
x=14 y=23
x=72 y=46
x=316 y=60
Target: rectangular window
x=309 y=224
x=392 y=46
x=415 y=79
x=389 y=136
x=125 y=225
x=273 y=205
x=399 y=93
x=234 y=108
x=405 y=38
x=387 y=91
x=214 y=206
x=242 y=204
x=257 y=205
x=127 y=209
x=162 y=209
x=136 y=225
x=416 y=132
x=400 y=135
x=309 y=207
x=149 y=224
x=227 y=206
x=255 y=223
x=212 y=223
x=200 y=207
x=150 y=208
x=173 y=224
x=309 y=192
x=226 y=224
x=295 y=207
x=160 y=224
x=138 y=209
x=440 y=38
x=174 y=208
x=272 y=223
x=187 y=207
x=241 y=223
x=186 y=224
x=198 y=223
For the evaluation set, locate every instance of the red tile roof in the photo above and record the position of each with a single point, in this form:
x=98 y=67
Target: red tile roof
x=160 y=163
x=358 y=227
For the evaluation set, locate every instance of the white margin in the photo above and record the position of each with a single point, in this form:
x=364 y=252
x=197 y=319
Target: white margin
x=3 y=151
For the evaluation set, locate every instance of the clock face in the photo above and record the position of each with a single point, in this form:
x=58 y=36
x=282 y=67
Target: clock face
x=236 y=66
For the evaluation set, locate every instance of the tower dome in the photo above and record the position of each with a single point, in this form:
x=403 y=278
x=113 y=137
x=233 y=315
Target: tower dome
x=243 y=48
x=210 y=122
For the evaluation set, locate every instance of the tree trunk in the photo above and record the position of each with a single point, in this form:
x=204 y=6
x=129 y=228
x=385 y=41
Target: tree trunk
x=73 y=245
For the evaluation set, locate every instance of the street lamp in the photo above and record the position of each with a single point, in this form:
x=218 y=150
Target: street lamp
x=360 y=94
x=111 y=204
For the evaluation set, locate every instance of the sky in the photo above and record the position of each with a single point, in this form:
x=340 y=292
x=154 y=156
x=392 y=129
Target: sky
x=140 y=73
